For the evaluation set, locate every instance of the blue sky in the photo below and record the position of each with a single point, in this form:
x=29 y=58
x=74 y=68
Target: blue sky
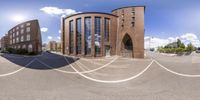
x=165 y=20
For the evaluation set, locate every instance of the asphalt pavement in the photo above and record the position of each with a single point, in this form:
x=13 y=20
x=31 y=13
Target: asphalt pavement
x=55 y=77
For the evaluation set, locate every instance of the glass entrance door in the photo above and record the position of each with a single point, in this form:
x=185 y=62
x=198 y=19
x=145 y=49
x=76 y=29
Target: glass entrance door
x=107 y=51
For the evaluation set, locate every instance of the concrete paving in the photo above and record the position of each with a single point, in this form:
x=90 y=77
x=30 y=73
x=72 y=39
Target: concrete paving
x=51 y=77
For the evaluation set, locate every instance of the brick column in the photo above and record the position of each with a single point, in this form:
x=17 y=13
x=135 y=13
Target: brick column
x=102 y=37
x=93 y=36
x=66 y=38
x=75 y=36
x=83 y=35
x=62 y=36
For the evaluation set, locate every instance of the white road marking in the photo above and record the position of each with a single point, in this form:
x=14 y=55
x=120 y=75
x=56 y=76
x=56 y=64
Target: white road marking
x=103 y=58
x=176 y=73
x=115 y=81
x=70 y=72
x=83 y=66
x=92 y=62
x=99 y=67
x=135 y=59
x=14 y=72
x=97 y=80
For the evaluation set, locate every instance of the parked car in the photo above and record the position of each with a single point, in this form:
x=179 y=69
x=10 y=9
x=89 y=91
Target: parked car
x=198 y=50
x=152 y=49
x=48 y=51
x=4 y=52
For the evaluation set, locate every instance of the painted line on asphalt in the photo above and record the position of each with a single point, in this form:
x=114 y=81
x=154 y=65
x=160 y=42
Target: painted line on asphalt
x=134 y=59
x=176 y=73
x=103 y=58
x=83 y=67
x=92 y=62
x=70 y=72
x=115 y=81
x=99 y=67
x=14 y=72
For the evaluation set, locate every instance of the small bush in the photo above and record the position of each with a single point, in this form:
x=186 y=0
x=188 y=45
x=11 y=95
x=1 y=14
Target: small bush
x=179 y=51
x=11 y=50
x=190 y=48
x=20 y=51
x=31 y=53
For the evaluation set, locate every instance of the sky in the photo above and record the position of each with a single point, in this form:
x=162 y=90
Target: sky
x=165 y=20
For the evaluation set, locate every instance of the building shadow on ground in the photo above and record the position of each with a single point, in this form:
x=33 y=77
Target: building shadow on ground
x=45 y=61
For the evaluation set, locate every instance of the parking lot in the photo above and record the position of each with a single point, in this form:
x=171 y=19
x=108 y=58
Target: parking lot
x=55 y=77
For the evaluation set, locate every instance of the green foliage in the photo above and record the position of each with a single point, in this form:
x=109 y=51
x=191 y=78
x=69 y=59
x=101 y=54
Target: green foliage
x=20 y=51
x=11 y=50
x=182 y=45
x=179 y=43
x=31 y=53
x=181 y=49
x=190 y=48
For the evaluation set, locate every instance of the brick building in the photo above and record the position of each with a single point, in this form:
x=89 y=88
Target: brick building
x=54 y=46
x=27 y=36
x=104 y=34
x=4 y=42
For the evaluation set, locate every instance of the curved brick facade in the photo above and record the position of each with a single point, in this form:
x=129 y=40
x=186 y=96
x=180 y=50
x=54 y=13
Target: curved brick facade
x=103 y=34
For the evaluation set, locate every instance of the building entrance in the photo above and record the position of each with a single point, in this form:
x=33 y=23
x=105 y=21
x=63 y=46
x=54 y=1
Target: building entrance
x=127 y=46
x=107 y=50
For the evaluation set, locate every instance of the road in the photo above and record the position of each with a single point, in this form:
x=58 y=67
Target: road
x=54 y=77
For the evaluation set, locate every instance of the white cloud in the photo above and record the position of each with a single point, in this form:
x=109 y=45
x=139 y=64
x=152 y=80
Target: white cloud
x=50 y=37
x=59 y=31
x=189 y=36
x=62 y=16
x=57 y=11
x=172 y=39
x=44 y=29
x=154 y=42
x=58 y=37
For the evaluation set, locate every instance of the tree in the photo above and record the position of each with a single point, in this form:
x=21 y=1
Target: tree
x=190 y=47
x=179 y=43
x=182 y=45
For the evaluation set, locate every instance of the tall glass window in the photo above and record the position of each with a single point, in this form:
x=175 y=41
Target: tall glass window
x=28 y=37
x=78 y=36
x=97 y=35
x=88 y=36
x=71 y=37
x=106 y=29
